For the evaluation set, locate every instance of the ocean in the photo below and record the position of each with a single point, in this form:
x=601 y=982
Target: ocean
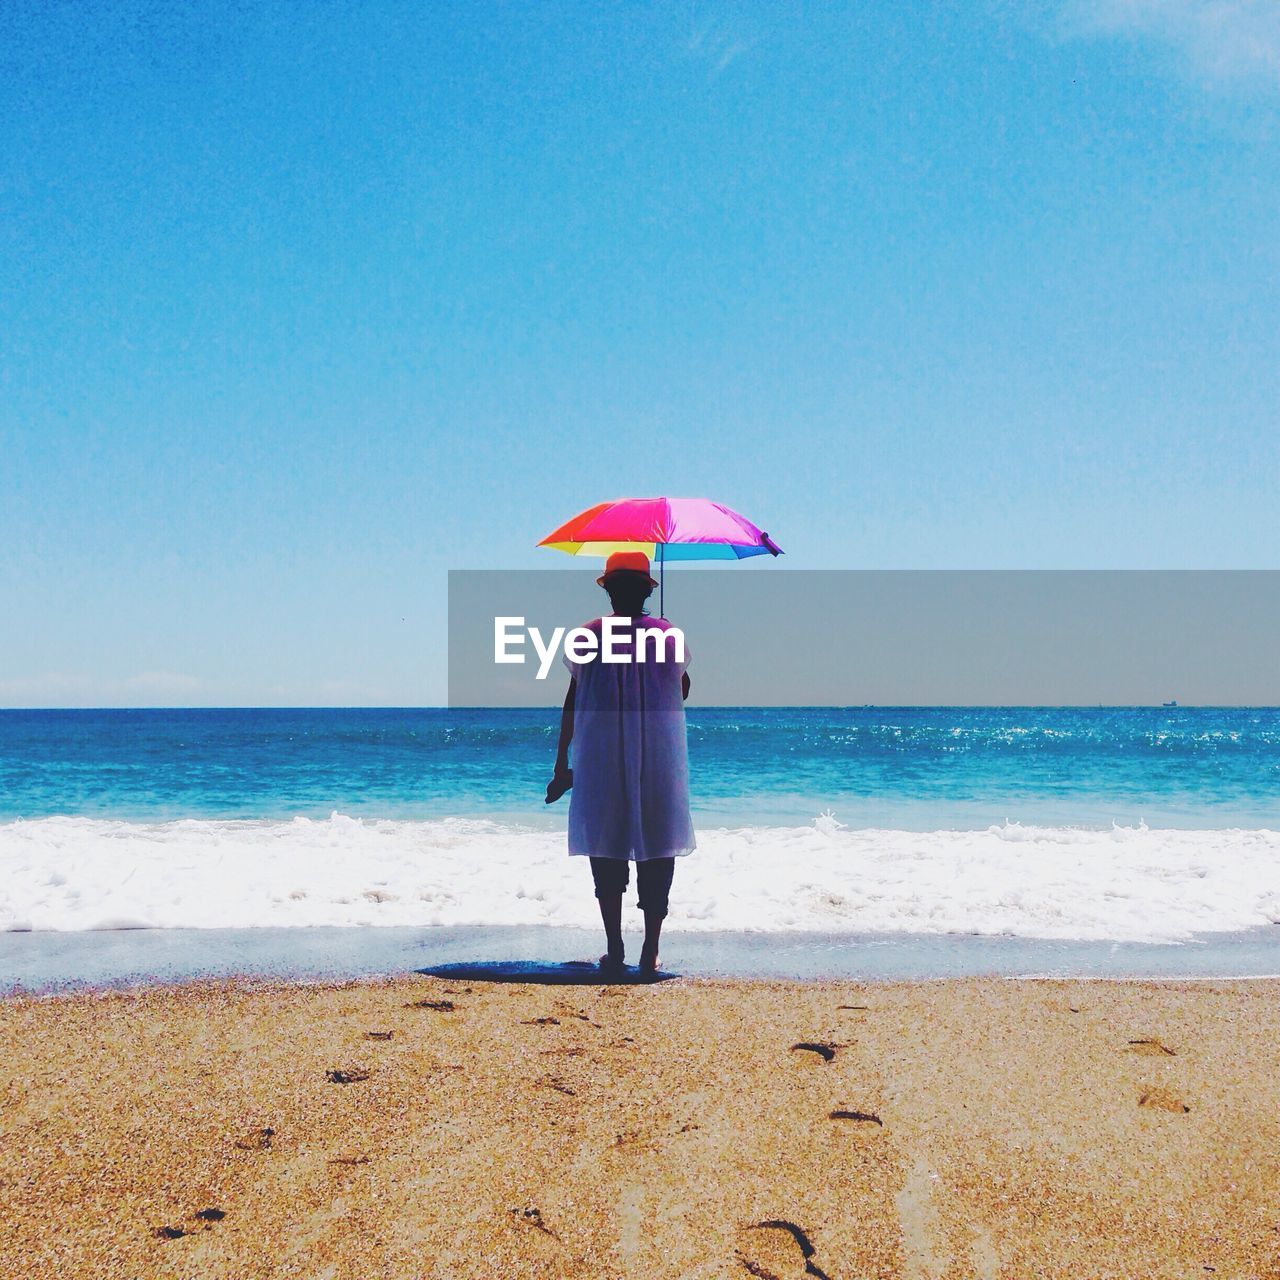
x=1134 y=825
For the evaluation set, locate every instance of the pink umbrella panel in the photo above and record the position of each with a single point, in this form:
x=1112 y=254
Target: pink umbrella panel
x=665 y=529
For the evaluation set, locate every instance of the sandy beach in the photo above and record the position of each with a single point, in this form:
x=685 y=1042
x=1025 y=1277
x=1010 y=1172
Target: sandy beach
x=420 y=1127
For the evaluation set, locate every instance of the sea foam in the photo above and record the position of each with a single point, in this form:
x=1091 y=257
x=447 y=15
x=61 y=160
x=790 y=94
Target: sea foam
x=1127 y=883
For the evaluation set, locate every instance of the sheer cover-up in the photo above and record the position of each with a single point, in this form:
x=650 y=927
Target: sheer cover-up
x=630 y=796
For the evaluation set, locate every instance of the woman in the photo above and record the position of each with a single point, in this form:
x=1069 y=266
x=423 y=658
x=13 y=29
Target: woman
x=630 y=779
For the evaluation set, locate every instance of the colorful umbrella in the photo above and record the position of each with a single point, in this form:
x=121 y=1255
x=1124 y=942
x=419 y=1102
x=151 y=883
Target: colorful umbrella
x=665 y=529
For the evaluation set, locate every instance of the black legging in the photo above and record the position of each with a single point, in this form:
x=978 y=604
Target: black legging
x=653 y=880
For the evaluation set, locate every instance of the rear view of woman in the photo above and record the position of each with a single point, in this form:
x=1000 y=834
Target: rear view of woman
x=630 y=774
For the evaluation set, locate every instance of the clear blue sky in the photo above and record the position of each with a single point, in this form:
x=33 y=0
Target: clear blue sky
x=303 y=305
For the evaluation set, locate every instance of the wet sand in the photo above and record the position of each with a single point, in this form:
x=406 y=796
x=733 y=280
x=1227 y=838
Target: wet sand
x=424 y=1127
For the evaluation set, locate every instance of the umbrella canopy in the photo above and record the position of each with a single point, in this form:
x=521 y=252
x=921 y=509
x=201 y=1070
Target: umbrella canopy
x=664 y=528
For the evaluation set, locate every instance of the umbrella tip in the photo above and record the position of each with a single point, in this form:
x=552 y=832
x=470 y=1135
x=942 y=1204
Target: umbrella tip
x=769 y=545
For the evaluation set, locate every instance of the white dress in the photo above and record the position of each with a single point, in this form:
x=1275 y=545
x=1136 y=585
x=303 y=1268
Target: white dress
x=630 y=796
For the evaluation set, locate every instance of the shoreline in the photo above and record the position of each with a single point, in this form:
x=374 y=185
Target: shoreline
x=1137 y=884
x=53 y=961
x=421 y=1127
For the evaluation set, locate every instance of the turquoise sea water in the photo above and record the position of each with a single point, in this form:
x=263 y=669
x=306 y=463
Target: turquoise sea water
x=1087 y=840
x=905 y=768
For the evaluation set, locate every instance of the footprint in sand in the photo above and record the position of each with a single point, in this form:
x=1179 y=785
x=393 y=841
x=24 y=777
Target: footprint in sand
x=439 y=1006
x=349 y=1161
x=539 y=1022
x=863 y=1119
x=582 y=1017
x=256 y=1140
x=778 y=1249
x=1152 y=1048
x=378 y=1035
x=1158 y=1099
x=825 y=1051
x=207 y=1216
x=347 y=1075
x=532 y=1216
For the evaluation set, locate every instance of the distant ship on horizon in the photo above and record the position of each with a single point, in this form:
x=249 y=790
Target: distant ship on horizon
x=1174 y=703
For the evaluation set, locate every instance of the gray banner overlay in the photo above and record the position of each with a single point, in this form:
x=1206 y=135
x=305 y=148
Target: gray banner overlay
x=784 y=637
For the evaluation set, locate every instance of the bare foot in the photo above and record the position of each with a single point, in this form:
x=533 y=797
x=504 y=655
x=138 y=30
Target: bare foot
x=613 y=960
x=649 y=962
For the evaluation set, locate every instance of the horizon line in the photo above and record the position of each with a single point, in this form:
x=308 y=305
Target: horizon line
x=706 y=706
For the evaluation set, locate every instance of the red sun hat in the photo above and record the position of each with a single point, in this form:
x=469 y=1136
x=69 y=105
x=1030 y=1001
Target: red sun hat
x=626 y=562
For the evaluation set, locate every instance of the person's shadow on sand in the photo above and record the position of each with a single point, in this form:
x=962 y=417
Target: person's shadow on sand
x=568 y=973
